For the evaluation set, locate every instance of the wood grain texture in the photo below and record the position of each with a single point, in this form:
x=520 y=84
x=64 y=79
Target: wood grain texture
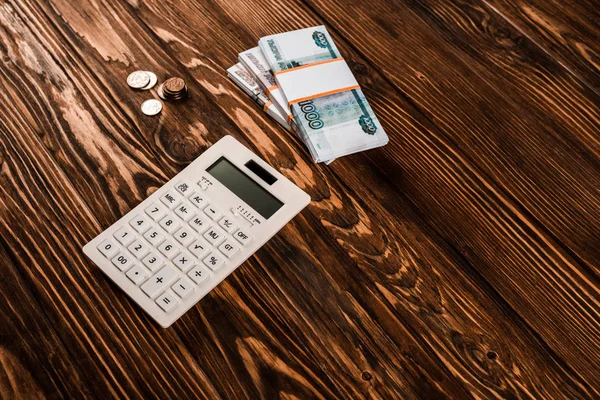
x=413 y=286
x=515 y=223
x=571 y=35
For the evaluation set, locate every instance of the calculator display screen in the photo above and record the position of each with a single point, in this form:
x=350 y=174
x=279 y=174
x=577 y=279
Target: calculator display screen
x=244 y=187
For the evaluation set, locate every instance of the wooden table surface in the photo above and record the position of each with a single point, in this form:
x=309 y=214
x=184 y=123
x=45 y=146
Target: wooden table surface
x=462 y=260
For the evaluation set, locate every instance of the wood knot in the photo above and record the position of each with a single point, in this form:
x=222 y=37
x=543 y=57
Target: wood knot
x=360 y=68
x=367 y=376
x=492 y=355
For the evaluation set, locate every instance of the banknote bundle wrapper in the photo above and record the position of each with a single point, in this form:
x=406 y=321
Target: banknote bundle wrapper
x=312 y=89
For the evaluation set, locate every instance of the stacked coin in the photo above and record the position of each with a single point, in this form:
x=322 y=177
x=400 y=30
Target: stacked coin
x=173 y=89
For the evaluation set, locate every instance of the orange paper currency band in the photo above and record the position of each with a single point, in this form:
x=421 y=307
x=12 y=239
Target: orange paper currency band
x=270 y=89
x=314 y=96
x=308 y=65
x=267 y=105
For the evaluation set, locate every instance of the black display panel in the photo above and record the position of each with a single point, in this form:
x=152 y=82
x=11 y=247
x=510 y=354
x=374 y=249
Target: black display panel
x=244 y=187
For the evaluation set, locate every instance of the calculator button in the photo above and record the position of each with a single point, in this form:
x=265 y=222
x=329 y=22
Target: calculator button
x=242 y=237
x=199 y=248
x=109 y=248
x=199 y=275
x=156 y=211
x=214 y=261
x=167 y=301
x=235 y=212
x=169 y=223
x=122 y=261
x=170 y=199
x=199 y=223
x=213 y=212
x=184 y=188
x=159 y=281
x=227 y=224
x=137 y=274
x=141 y=223
x=168 y=248
x=153 y=261
x=229 y=248
x=154 y=236
x=185 y=236
x=214 y=236
x=198 y=199
x=185 y=212
x=202 y=185
x=139 y=248
x=183 y=287
x=183 y=261
x=124 y=235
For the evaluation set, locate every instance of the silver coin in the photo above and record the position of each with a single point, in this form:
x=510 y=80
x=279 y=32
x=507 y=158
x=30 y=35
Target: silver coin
x=138 y=79
x=153 y=80
x=151 y=107
x=160 y=92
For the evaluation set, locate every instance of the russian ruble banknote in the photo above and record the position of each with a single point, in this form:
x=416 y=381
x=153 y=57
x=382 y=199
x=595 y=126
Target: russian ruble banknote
x=246 y=81
x=254 y=61
x=332 y=125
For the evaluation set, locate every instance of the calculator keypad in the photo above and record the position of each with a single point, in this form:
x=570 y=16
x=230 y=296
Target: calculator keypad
x=170 y=248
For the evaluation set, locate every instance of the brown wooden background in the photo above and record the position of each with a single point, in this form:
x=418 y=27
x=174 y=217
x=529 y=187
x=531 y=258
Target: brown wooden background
x=461 y=260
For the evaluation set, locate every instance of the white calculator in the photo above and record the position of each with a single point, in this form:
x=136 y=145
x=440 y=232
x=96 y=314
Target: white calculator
x=182 y=241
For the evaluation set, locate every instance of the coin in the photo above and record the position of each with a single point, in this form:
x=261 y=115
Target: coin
x=160 y=92
x=174 y=85
x=153 y=80
x=151 y=107
x=173 y=89
x=138 y=79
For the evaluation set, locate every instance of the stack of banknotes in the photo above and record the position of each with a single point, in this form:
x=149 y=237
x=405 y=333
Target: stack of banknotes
x=330 y=124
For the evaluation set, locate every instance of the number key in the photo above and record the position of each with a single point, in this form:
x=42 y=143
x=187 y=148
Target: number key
x=156 y=211
x=154 y=236
x=152 y=261
x=108 y=248
x=185 y=236
x=169 y=223
x=139 y=248
x=168 y=248
x=124 y=235
x=141 y=223
x=122 y=261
